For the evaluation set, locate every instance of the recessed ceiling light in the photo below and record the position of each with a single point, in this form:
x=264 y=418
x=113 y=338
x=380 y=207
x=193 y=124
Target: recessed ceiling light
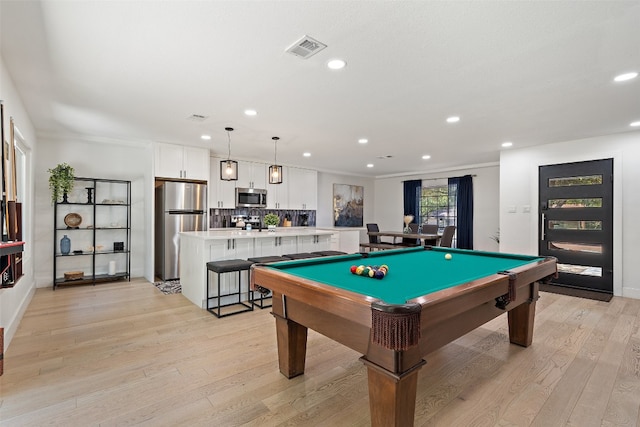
x=507 y=144
x=369 y=165
x=307 y=154
x=250 y=112
x=634 y=124
x=363 y=140
x=426 y=157
x=453 y=119
x=336 y=64
x=206 y=137
x=626 y=76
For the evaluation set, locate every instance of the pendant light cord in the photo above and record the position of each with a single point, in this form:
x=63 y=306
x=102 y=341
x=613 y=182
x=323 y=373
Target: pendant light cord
x=275 y=150
x=229 y=138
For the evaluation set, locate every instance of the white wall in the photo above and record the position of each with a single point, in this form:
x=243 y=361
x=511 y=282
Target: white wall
x=324 y=213
x=131 y=161
x=519 y=188
x=14 y=301
x=389 y=204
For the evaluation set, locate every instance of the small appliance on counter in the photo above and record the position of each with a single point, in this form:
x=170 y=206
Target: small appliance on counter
x=237 y=221
x=304 y=219
x=248 y=222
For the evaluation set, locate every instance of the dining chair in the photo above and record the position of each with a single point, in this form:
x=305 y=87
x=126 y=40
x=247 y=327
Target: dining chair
x=429 y=229
x=413 y=227
x=447 y=236
x=373 y=227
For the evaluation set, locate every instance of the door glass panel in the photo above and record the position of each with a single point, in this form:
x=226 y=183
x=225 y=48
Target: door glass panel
x=575 y=203
x=594 y=248
x=570 y=181
x=574 y=225
x=583 y=270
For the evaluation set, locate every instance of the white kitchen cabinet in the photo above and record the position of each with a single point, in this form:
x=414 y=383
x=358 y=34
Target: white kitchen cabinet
x=251 y=175
x=314 y=243
x=278 y=194
x=276 y=245
x=222 y=194
x=303 y=189
x=177 y=161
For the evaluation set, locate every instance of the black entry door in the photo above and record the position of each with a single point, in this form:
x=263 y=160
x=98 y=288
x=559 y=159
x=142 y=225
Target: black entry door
x=576 y=222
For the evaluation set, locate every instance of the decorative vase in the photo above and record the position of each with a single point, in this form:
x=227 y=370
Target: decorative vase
x=271 y=228
x=65 y=245
x=64 y=198
x=407 y=220
x=89 y=199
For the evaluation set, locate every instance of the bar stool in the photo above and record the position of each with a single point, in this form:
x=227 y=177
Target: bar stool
x=261 y=300
x=328 y=253
x=301 y=255
x=229 y=266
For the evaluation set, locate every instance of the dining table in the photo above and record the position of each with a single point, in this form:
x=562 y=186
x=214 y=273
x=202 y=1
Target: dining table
x=428 y=239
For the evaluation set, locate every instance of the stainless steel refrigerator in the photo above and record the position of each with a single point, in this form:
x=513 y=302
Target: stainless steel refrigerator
x=179 y=206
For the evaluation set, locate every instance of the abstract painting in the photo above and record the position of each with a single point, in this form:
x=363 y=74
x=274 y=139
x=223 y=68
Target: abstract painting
x=348 y=202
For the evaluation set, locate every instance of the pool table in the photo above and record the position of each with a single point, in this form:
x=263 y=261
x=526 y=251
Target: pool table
x=424 y=302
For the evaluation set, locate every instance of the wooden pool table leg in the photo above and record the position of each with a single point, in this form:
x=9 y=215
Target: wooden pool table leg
x=521 y=319
x=292 y=346
x=392 y=397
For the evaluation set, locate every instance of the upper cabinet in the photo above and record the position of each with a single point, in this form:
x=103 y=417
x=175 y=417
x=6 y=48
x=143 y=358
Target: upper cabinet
x=303 y=189
x=278 y=194
x=177 y=161
x=299 y=189
x=251 y=175
x=222 y=194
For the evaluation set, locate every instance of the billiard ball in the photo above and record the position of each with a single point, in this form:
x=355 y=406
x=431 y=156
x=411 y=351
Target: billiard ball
x=447 y=256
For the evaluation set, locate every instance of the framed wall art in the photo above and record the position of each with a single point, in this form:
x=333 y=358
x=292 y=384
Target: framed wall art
x=348 y=202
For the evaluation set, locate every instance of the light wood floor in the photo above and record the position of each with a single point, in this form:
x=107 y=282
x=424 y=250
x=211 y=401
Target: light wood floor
x=123 y=353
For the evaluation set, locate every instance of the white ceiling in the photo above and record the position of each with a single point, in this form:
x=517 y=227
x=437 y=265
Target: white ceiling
x=528 y=72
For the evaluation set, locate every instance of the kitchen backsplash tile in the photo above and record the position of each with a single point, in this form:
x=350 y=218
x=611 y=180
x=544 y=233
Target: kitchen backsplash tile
x=221 y=218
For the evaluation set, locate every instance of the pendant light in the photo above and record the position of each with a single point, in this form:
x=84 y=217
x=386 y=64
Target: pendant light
x=229 y=168
x=275 y=170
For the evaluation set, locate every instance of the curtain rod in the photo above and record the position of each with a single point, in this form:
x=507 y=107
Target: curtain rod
x=434 y=179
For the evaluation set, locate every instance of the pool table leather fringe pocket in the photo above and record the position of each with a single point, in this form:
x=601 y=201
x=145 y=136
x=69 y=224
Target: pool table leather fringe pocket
x=396 y=327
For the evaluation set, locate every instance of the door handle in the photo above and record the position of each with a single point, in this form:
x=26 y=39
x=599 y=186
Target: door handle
x=542 y=227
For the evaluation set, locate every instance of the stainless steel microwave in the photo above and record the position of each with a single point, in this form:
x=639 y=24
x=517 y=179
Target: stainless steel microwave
x=251 y=198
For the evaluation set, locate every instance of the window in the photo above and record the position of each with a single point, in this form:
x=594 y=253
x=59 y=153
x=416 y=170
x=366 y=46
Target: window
x=438 y=205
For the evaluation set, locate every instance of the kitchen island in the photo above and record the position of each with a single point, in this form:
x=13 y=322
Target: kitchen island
x=199 y=247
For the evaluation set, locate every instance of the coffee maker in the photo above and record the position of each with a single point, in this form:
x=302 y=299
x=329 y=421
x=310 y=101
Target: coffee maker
x=304 y=219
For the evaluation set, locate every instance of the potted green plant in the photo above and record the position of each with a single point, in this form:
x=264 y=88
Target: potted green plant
x=61 y=180
x=271 y=221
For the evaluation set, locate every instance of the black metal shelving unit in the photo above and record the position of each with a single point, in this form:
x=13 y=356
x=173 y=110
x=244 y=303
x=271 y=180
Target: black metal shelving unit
x=105 y=211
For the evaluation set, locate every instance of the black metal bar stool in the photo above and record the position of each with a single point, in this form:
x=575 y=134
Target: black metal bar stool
x=229 y=266
x=263 y=300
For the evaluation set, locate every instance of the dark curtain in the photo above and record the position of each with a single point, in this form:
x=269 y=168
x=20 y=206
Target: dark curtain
x=464 y=207
x=412 y=198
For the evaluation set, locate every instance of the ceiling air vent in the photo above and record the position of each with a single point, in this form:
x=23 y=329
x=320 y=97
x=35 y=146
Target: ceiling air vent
x=306 y=47
x=197 y=118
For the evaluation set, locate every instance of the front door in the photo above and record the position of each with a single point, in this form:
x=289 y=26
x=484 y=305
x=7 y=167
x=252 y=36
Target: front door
x=576 y=222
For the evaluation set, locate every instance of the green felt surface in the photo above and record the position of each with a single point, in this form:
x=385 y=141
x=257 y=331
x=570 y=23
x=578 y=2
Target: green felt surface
x=412 y=273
